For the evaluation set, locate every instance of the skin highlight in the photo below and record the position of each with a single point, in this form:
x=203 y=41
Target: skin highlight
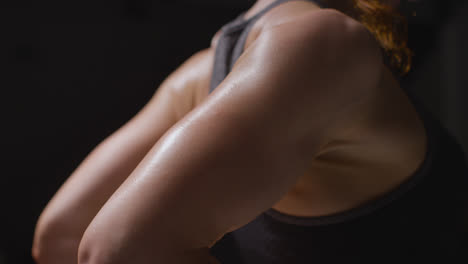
x=161 y=147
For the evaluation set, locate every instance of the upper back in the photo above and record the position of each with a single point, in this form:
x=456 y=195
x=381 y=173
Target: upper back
x=387 y=138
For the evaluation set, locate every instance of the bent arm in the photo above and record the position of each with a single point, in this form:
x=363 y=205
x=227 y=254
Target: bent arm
x=238 y=153
x=65 y=218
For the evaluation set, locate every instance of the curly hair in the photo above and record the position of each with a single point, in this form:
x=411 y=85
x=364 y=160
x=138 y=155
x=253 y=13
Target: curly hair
x=389 y=27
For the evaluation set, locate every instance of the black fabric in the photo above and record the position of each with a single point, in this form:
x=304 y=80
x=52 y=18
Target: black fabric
x=232 y=40
x=423 y=219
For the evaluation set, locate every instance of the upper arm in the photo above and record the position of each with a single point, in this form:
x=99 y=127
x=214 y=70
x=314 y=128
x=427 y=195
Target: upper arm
x=239 y=152
x=82 y=195
x=337 y=64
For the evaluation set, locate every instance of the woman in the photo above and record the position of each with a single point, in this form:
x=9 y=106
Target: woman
x=307 y=151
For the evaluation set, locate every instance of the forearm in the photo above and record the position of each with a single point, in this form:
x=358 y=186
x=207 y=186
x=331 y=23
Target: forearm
x=56 y=251
x=94 y=181
x=79 y=200
x=66 y=217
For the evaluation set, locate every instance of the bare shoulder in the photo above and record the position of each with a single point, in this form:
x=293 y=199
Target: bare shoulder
x=189 y=83
x=191 y=71
x=337 y=36
x=328 y=50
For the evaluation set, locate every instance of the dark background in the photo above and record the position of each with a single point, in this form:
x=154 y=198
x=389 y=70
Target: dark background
x=72 y=72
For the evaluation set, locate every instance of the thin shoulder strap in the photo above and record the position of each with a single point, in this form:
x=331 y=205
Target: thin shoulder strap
x=240 y=20
x=232 y=40
x=239 y=47
x=274 y=4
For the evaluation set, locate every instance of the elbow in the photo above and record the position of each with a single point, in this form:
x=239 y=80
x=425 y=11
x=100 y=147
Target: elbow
x=93 y=251
x=54 y=242
x=87 y=253
x=100 y=247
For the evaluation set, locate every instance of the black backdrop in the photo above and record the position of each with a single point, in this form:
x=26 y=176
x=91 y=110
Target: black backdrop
x=74 y=71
